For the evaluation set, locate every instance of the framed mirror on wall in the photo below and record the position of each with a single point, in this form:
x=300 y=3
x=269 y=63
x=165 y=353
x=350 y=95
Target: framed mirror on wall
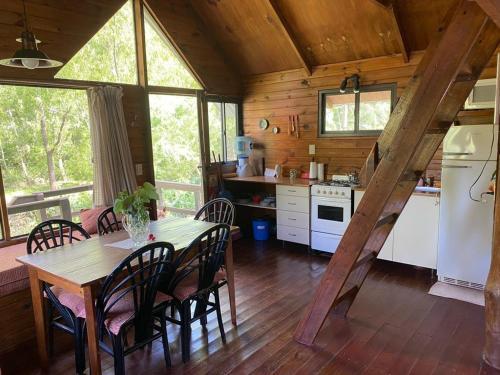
x=364 y=113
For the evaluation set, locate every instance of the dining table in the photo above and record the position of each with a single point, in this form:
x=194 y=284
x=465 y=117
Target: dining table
x=81 y=266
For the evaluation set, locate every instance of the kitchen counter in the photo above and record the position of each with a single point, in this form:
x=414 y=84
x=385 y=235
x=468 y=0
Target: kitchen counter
x=273 y=180
x=415 y=192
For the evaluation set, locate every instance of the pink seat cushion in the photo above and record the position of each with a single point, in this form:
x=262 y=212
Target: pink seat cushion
x=189 y=285
x=119 y=314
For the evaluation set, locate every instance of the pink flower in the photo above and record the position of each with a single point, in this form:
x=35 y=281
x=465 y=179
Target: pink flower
x=151 y=237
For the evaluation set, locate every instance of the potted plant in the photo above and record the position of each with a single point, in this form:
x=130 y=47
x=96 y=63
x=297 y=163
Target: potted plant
x=134 y=211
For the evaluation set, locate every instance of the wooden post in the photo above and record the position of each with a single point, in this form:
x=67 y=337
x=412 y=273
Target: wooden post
x=491 y=352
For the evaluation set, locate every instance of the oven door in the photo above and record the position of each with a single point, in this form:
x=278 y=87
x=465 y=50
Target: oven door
x=330 y=215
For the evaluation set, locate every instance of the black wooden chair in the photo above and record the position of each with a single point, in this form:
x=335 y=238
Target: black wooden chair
x=108 y=222
x=129 y=298
x=48 y=235
x=219 y=210
x=196 y=280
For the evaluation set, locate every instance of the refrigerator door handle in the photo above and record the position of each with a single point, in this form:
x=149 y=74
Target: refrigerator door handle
x=458 y=153
x=455 y=166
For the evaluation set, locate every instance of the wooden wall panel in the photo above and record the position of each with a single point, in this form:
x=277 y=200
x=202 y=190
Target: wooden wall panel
x=275 y=96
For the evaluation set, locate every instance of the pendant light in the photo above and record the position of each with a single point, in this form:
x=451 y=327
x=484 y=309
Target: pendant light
x=29 y=56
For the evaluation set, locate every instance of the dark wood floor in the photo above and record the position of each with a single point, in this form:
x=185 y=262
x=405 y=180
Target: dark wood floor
x=394 y=327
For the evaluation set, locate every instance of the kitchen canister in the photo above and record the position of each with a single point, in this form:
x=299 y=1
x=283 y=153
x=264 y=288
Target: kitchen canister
x=321 y=172
x=313 y=171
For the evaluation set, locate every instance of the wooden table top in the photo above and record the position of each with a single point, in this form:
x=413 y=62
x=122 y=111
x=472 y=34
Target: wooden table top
x=274 y=180
x=82 y=263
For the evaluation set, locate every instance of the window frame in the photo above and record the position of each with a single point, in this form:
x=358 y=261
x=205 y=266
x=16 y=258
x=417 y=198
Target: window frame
x=322 y=94
x=239 y=120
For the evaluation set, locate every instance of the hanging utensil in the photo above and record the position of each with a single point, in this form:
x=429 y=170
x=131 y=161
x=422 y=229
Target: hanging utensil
x=298 y=127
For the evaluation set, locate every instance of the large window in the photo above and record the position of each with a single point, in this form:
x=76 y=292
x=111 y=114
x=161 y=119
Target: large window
x=363 y=113
x=110 y=55
x=223 y=127
x=45 y=154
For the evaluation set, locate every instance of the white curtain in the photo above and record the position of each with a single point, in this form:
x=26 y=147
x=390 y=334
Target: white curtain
x=113 y=167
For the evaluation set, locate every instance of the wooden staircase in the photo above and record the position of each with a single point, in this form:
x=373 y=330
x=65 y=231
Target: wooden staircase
x=438 y=89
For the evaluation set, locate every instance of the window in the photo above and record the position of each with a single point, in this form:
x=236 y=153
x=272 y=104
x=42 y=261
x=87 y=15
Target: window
x=363 y=113
x=223 y=127
x=45 y=155
x=165 y=67
x=110 y=55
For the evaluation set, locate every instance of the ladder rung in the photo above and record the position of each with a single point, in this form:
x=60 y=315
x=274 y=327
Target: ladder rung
x=348 y=294
x=391 y=218
x=367 y=258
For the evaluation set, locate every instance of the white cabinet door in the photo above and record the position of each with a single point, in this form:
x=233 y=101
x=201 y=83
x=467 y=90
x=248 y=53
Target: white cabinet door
x=416 y=232
x=387 y=249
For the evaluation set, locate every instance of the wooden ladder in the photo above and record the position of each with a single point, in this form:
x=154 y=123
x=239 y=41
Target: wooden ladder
x=448 y=71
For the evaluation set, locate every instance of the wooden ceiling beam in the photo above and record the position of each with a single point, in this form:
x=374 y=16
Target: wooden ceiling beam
x=391 y=7
x=492 y=9
x=282 y=24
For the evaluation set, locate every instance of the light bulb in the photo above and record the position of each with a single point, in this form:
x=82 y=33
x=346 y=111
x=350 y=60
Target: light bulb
x=30 y=63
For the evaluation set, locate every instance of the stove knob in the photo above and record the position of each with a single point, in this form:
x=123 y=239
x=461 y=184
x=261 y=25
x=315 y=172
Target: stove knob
x=324 y=191
x=336 y=193
x=319 y=191
x=343 y=193
x=330 y=192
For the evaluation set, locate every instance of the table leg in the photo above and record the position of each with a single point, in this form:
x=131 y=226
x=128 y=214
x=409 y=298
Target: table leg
x=230 y=279
x=93 y=341
x=40 y=319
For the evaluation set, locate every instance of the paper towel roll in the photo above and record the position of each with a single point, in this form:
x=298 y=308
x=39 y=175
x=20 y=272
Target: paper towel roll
x=313 y=171
x=321 y=172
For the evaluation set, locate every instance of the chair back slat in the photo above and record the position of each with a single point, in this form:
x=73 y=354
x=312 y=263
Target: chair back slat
x=219 y=210
x=108 y=222
x=136 y=278
x=203 y=257
x=54 y=233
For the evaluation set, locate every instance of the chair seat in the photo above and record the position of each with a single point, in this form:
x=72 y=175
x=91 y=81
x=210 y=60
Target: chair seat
x=189 y=286
x=119 y=314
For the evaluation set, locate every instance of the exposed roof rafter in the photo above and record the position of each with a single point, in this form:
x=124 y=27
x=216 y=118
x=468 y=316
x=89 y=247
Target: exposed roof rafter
x=491 y=8
x=287 y=31
x=391 y=7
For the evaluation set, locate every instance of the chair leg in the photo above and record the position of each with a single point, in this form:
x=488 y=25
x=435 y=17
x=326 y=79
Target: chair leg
x=164 y=337
x=172 y=310
x=50 y=328
x=200 y=309
x=118 y=355
x=79 y=338
x=186 y=330
x=219 y=315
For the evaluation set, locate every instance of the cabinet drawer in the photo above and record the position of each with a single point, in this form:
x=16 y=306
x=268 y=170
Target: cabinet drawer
x=291 y=234
x=297 y=191
x=293 y=219
x=291 y=203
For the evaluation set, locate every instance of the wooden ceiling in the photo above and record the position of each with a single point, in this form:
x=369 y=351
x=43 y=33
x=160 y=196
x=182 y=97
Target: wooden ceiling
x=252 y=35
x=62 y=26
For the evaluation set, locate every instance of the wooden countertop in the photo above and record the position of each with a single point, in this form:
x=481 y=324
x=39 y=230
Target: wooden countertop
x=423 y=193
x=273 y=180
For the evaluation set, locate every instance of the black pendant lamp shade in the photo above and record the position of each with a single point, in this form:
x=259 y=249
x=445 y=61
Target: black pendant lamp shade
x=29 y=56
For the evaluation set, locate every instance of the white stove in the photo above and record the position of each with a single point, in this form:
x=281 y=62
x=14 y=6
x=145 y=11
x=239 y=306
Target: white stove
x=331 y=210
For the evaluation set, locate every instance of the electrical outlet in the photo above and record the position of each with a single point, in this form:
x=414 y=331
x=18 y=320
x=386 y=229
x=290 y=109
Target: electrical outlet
x=138 y=169
x=312 y=149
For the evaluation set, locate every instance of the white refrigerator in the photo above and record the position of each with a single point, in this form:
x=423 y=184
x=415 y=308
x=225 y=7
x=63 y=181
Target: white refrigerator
x=466 y=213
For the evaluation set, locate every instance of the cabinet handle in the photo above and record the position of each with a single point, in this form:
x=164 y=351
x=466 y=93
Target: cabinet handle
x=291 y=234
x=291 y=218
x=457 y=153
x=292 y=204
x=291 y=191
x=455 y=166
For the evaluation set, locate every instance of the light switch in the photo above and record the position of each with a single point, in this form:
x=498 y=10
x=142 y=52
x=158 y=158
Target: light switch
x=312 y=149
x=138 y=169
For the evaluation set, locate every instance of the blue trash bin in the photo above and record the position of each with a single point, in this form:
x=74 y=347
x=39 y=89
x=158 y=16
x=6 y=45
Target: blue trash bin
x=261 y=229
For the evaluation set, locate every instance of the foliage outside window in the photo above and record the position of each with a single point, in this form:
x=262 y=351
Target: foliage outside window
x=45 y=150
x=363 y=113
x=165 y=67
x=176 y=149
x=110 y=55
x=223 y=128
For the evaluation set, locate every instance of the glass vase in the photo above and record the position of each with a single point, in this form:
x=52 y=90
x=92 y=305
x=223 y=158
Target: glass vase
x=137 y=228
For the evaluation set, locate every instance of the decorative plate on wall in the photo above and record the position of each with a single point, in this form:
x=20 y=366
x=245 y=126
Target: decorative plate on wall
x=264 y=124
